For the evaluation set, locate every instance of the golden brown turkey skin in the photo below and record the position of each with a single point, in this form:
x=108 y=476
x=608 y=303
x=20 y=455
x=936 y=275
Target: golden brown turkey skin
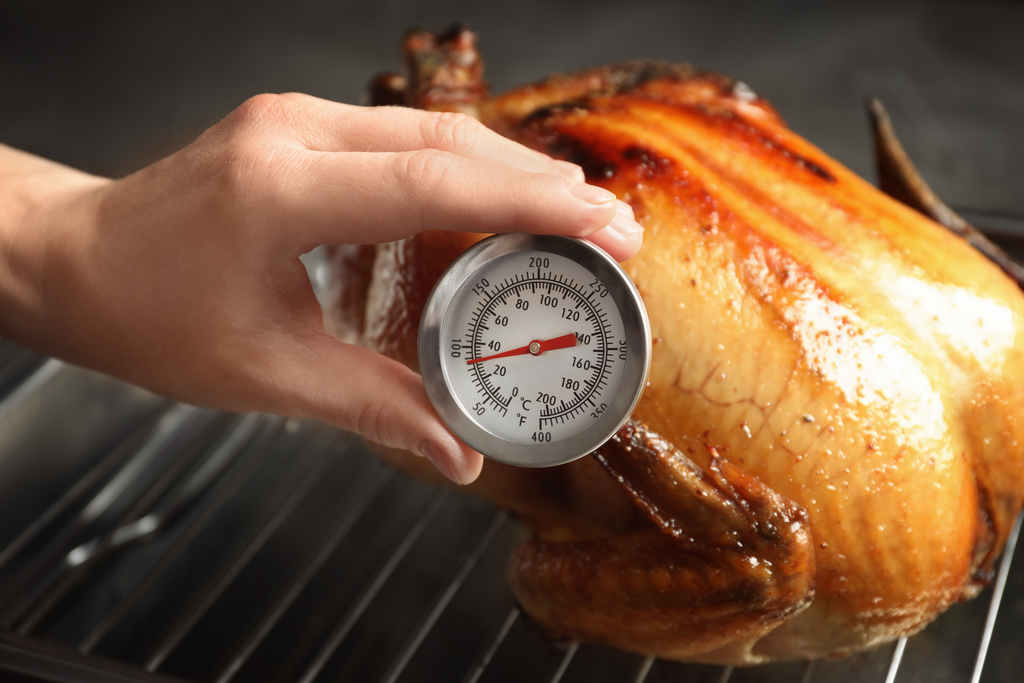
x=829 y=450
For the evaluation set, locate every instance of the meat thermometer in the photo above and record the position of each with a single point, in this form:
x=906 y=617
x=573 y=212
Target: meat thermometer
x=534 y=349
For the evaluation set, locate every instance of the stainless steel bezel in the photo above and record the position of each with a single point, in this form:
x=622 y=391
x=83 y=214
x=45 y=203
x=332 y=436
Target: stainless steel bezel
x=621 y=403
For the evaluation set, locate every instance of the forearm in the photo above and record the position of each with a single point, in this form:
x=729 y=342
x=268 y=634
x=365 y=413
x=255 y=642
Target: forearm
x=41 y=204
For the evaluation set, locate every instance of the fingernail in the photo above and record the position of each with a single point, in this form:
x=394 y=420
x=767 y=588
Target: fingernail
x=622 y=234
x=622 y=245
x=624 y=222
x=592 y=194
x=569 y=170
x=461 y=474
x=450 y=463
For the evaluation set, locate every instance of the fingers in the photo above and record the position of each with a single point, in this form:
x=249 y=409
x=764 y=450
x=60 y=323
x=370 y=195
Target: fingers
x=323 y=125
x=382 y=400
x=379 y=196
x=408 y=170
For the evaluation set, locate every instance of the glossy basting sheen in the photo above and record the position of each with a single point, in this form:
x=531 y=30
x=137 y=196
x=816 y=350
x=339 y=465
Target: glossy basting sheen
x=829 y=450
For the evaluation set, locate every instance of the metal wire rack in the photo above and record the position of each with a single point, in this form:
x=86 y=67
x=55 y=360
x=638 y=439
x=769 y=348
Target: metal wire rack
x=143 y=540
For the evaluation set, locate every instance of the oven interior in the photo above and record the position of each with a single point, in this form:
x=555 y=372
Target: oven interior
x=143 y=540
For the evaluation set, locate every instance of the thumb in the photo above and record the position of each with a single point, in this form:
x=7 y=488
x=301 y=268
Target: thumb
x=380 y=399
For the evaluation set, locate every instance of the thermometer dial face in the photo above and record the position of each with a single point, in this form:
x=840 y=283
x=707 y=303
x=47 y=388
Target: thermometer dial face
x=534 y=349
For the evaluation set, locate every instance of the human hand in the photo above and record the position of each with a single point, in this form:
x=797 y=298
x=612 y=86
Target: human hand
x=185 y=276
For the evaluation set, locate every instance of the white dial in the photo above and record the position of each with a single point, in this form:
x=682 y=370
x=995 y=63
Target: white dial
x=534 y=348
x=534 y=344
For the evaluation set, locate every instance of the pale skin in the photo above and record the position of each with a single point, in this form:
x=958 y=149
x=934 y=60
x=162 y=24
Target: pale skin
x=185 y=278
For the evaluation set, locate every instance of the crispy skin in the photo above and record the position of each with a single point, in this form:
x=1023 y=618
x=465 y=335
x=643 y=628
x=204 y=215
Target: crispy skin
x=726 y=560
x=822 y=355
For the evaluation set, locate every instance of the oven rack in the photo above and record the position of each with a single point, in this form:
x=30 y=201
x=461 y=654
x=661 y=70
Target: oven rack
x=143 y=540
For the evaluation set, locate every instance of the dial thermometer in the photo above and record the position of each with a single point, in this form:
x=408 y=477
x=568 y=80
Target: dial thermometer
x=534 y=349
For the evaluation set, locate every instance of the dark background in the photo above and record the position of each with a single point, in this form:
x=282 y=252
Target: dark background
x=112 y=86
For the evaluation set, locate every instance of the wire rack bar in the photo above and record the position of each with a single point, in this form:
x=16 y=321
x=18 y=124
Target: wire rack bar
x=345 y=625
x=299 y=583
x=36 y=380
x=52 y=574
x=52 y=662
x=442 y=602
x=185 y=623
x=488 y=654
x=217 y=587
x=230 y=446
x=897 y=657
x=563 y=665
x=997 y=597
x=644 y=669
x=97 y=473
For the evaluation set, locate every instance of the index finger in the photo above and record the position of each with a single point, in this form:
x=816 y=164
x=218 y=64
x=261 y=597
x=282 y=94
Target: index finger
x=326 y=126
x=364 y=197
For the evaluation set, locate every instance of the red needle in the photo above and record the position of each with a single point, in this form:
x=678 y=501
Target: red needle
x=535 y=347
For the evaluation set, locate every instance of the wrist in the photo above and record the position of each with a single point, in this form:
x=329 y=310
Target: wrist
x=45 y=210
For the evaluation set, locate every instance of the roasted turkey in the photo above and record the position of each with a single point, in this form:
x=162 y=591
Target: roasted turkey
x=829 y=450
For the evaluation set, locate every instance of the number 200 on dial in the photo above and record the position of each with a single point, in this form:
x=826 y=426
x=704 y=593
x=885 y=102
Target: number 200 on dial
x=534 y=349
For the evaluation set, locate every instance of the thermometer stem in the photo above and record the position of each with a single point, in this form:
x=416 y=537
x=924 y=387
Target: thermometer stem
x=535 y=347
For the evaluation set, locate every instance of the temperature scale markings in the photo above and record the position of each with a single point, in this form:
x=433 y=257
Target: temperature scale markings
x=500 y=294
